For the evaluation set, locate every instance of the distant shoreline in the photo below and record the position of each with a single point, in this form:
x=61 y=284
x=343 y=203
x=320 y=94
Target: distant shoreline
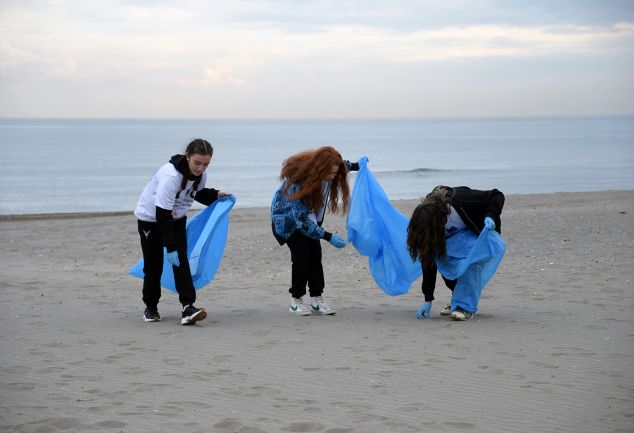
x=61 y=215
x=83 y=215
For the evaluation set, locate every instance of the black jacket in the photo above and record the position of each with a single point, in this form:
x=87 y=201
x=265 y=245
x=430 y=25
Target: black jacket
x=473 y=206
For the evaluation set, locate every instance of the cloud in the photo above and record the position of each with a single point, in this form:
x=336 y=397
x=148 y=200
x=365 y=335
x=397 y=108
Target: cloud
x=251 y=52
x=66 y=68
x=219 y=76
x=501 y=41
x=11 y=57
x=144 y=35
x=459 y=42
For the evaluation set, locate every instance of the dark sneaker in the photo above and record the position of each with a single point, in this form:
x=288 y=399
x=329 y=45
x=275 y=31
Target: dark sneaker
x=191 y=315
x=460 y=314
x=151 y=315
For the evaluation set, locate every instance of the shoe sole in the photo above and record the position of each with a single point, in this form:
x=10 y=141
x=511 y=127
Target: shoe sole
x=460 y=318
x=321 y=313
x=299 y=312
x=196 y=317
x=151 y=320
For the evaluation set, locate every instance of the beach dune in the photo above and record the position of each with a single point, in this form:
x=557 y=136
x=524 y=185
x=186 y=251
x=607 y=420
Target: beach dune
x=550 y=350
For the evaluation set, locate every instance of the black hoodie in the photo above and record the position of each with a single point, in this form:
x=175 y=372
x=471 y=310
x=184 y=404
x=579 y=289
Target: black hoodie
x=473 y=206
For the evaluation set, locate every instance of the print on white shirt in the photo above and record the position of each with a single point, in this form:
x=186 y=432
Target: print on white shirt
x=161 y=191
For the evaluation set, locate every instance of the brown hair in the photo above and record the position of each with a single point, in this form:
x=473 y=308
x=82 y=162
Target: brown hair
x=426 y=229
x=310 y=169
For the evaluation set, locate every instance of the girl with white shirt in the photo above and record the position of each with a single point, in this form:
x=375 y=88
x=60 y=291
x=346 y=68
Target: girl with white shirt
x=162 y=218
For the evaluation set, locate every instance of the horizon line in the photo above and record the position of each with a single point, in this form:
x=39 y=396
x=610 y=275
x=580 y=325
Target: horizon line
x=342 y=118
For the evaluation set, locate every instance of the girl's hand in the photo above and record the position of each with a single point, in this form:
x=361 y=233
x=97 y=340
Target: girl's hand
x=424 y=311
x=337 y=241
x=172 y=259
x=223 y=194
x=489 y=223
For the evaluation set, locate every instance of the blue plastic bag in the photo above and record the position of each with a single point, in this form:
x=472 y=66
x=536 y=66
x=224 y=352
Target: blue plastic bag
x=206 y=238
x=472 y=260
x=379 y=231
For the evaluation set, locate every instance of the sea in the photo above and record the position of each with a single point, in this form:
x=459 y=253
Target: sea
x=101 y=165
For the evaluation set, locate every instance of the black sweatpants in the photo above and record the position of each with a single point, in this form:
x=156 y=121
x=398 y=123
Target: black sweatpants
x=152 y=246
x=306 y=265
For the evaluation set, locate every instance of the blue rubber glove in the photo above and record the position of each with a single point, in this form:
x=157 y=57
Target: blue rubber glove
x=172 y=259
x=363 y=161
x=424 y=311
x=337 y=241
x=489 y=223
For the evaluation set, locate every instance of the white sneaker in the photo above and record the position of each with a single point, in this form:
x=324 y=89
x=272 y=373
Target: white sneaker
x=298 y=307
x=319 y=306
x=446 y=311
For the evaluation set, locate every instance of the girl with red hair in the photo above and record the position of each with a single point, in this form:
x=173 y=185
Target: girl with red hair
x=312 y=181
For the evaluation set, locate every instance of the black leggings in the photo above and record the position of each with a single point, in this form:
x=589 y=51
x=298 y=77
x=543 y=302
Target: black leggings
x=152 y=246
x=306 y=265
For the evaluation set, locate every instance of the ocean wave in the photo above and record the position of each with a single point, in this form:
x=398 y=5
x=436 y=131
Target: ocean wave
x=422 y=172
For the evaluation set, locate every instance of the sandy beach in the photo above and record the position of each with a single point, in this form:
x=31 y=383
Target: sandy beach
x=550 y=350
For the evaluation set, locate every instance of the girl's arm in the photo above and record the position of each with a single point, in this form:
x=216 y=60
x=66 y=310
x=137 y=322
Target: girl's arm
x=495 y=204
x=306 y=225
x=167 y=189
x=429 y=281
x=206 y=196
x=494 y=208
x=164 y=224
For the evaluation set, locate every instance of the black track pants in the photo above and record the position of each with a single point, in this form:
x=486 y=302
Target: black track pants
x=152 y=246
x=306 y=265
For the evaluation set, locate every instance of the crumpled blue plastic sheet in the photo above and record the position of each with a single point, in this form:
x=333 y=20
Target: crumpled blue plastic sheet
x=472 y=260
x=379 y=231
x=206 y=239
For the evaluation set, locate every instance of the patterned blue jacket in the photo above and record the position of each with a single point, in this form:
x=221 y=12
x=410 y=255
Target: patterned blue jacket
x=290 y=215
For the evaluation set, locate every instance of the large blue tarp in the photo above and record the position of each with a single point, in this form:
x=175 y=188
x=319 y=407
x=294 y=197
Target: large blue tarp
x=472 y=260
x=206 y=238
x=379 y=231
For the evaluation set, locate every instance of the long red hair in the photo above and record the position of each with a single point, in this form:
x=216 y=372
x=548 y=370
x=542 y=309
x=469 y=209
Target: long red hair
x=310 y=169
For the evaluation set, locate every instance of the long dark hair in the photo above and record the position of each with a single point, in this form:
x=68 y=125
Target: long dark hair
x=310 y=169
x=197 y=146
x=426 y=229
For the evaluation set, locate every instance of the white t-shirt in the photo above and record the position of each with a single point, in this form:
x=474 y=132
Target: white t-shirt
x=161 y=191
x=454 y=223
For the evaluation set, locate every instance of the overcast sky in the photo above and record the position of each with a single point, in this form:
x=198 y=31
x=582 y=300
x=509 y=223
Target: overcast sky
x=328 y=58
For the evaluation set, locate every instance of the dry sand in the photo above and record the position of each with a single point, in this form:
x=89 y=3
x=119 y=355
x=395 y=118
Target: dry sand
x=551 y=349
